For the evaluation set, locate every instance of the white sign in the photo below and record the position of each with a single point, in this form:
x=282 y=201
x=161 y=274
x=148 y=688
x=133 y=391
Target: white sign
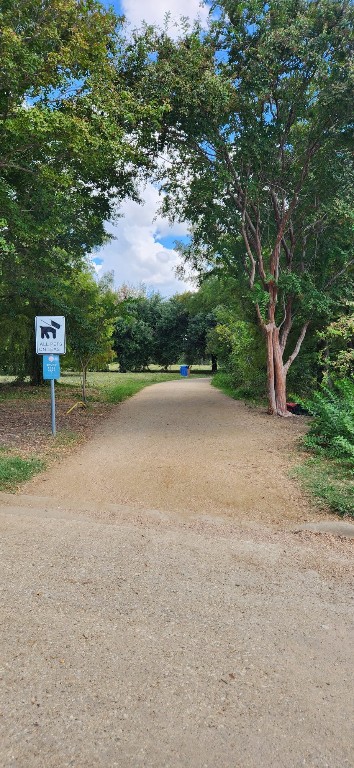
x=50 y=335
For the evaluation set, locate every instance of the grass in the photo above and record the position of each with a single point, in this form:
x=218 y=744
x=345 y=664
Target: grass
x=113 y=387
x=329 y=481
x=14 y=470
x=126 y=389
x=223 y=381
x=131 y=385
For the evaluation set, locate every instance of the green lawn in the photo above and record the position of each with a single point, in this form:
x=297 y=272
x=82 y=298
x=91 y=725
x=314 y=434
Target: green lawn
x=113 y=387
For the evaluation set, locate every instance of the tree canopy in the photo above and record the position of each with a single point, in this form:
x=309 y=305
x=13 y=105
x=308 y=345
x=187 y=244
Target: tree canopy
x=257 y=141
x=66 y=158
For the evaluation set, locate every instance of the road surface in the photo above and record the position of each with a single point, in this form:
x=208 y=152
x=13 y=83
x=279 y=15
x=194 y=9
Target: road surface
x=161 y=606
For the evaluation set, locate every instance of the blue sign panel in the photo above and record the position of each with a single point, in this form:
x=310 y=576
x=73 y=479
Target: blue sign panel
x=51 y=367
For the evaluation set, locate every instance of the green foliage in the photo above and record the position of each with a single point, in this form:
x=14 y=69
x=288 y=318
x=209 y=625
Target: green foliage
x=132 y=343
x=223 y=381
x=66 y=158
x=332 y=430
x=134 y=331
x=171 y=329
x=305 y=374
x=90 y=312
x=237 y=344
x=258 y=136
x=246 y=362
x=337 y=353
x=330 y=482
x=195 y=347
x=151 y=330
x=14 y=470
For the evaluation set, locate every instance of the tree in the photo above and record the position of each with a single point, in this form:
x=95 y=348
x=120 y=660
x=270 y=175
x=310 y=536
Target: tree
x=67 y=157
x=134 y=332
x=170 y=332
x=258 y=133
x=90 y=312
x=196 y=339
x=132 y=340
x=150 y=330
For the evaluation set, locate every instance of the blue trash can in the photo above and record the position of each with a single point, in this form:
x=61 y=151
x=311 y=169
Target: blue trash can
x=184 y=370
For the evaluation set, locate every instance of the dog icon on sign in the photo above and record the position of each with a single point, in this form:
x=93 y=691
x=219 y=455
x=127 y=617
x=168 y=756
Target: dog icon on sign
x=46 y=330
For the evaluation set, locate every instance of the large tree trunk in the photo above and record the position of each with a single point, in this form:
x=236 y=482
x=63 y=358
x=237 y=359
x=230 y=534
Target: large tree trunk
x=280 y=377
x=34 y=367
x=276 y=374
x=276 y=369
x=272 y=406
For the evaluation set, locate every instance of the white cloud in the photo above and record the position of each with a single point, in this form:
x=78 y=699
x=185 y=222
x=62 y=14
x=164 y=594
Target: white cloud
x=137 y=11
x=136 y=254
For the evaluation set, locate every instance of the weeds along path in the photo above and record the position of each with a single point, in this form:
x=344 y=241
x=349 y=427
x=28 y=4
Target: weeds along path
x=185 y=447
x=159 y=610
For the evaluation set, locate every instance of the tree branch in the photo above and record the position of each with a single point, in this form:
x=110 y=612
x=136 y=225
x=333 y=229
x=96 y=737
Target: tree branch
x=286 y=324
x=250 y=255
x=260 y=318
x=342 y=272
x=297 y=347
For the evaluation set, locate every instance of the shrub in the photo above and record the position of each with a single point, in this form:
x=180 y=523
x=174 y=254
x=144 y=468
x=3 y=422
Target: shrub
x=332 y=430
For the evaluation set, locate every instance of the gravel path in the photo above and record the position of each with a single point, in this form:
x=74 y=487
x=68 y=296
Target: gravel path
x=159 y=608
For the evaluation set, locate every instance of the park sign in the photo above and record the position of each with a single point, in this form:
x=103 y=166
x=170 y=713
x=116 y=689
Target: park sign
x=51 y=367
x=50 y=335
x=50 y=343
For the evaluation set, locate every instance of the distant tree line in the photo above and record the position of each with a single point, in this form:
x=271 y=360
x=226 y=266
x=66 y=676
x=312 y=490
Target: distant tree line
x=150 y=330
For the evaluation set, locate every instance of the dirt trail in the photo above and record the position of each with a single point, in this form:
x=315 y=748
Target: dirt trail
x=184 y=447
x=160 y=611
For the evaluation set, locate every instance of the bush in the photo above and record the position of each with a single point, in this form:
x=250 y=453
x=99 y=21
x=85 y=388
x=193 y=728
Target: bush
x=238 y=346
x=332 y=430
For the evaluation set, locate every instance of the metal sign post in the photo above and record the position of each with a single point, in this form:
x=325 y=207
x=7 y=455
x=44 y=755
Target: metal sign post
x=51 y=370
x=50 y=343
x=52 y=406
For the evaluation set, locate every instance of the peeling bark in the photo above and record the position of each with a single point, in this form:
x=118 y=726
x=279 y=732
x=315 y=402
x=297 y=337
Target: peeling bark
x=276 y=374
x=272 y=407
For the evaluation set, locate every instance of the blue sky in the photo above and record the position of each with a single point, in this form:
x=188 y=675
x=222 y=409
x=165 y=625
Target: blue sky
x=142 y=249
